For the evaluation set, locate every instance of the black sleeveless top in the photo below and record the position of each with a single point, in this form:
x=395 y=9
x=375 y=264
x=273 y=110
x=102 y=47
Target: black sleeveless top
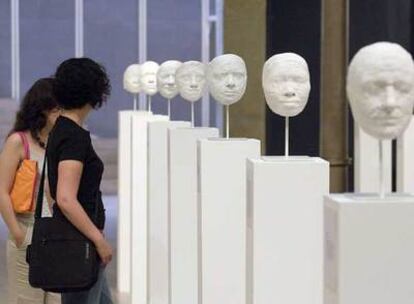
x=69 y=141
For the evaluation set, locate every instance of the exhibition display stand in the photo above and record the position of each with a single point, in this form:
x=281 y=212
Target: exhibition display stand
x=369 y=249
x=158 y=213
x=184 y=238
x=366 y=164
x=132 y=218
x=139 y=209
x=405 y=160
x=222 y=215
x=285 y=225
x=124 y=196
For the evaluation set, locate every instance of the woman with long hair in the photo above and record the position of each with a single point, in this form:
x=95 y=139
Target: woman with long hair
x=27 y=140
x=74 y=169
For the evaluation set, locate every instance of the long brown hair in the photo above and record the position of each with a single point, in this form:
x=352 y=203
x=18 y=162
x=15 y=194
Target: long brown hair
x=32 y=114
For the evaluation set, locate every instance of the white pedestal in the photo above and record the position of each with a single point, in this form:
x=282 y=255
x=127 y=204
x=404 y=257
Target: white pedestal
x=124 y=195
x=183 y=212
x=158 y=209
x=405 y=160
x=366 y=165
x=369 y=249
x=222 y=199
x=285 y=220
x=139 y=210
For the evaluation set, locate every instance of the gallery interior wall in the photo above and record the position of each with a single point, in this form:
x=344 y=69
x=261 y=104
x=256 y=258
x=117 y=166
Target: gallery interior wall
x=47 y=36
x=245 y=35
x=295 y=26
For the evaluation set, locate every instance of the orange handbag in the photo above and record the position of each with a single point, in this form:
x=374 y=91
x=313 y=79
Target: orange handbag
x=23 y=189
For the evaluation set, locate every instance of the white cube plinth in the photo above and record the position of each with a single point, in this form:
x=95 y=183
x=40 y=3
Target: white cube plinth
x=223 y=207
x=139 y=210
x=184 y=212
x=124 y=195
x=405 y=160
x=369 y=249
x=158 y=208
x=367 y=163
x=285 y=220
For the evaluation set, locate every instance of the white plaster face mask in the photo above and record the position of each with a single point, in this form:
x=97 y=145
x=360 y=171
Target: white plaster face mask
x=286 y=84
x=149 y=71
x=380 y=89
x=191 y=80
x=227 y=78
x=132 y=76
x=166 y=79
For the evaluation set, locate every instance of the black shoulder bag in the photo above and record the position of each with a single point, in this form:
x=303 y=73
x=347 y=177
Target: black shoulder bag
x=61 y=259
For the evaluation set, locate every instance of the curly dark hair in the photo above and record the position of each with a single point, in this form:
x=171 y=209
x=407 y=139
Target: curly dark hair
x=32 y=114
x=81 y=81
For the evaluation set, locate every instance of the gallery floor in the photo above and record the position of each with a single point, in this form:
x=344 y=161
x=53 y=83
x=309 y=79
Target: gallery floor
x=111 y=234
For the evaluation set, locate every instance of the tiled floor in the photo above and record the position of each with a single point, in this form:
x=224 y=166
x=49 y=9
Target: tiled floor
x=111 y=234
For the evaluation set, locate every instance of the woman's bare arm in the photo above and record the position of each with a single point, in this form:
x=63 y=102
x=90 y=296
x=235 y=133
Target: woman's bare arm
x=10 y=158
x=69 y=176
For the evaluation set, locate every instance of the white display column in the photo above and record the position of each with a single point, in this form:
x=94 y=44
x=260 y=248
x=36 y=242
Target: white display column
x=158 y=209
x=139 y=210
x=369 y=249
x=222 y=199
x=184 y=212
x=366 y=165
x=405 y=160
x=124 y=197
x=285 y=224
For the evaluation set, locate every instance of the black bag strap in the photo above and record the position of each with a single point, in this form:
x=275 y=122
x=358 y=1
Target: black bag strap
x=39 y=200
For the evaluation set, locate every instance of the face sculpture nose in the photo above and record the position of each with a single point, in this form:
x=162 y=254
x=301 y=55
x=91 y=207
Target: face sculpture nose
x=290 y=94
x=230 y=85
x=389 y=102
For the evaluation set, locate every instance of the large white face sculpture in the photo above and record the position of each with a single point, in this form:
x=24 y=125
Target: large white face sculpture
x=286 y=84
x=132 y=76
x=166 y=79
x=227 y=78
x=191 y=80
x=380 y=88
x=149 y=71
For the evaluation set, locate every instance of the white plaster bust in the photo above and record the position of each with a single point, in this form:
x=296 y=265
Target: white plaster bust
x=286 y=83
x=191 y=80
x=149 y=71
x=380 y=89
x=166 y=83
x=132 y=76
x=227 y=78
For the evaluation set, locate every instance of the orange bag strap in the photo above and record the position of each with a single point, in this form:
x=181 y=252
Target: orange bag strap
x=25 y=145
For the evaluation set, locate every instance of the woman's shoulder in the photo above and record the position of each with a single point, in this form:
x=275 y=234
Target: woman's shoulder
x=14 y=143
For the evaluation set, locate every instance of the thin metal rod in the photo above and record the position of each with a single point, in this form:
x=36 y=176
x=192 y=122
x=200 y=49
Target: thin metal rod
x=286 y=136
x=142 y=41
x=205 y=58
x=135 y=102
x=169 y=108
x=15 y=49
x=192 y=114
x=79 y=26
x=381 y=168
x=227 y=122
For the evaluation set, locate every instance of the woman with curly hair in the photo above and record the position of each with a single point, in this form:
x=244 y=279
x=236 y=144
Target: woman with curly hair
x=34 y=120
x=74 y=168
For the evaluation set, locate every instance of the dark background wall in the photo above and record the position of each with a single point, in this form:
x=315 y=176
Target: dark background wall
x=111 y=37
x=294 y=26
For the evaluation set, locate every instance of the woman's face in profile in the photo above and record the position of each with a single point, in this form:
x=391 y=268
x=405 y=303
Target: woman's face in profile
x=52 y=116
